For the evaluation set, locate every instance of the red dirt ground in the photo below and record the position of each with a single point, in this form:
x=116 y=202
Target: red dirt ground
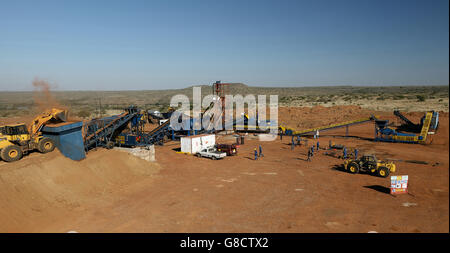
x=112 y=191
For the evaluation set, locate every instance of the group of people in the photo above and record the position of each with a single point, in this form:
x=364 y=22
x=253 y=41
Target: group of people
x=311 y=151
x=317 y=147
x=345 y=155
x=260 y=153
x=297 y=141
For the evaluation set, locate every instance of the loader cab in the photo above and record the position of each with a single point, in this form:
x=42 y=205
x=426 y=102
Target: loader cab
x=15 y=133
x=369 y=162
x=369 y=158
x=20 y=129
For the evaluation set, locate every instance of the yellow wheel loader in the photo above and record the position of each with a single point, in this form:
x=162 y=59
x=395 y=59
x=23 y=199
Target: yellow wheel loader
x=17 y=140
x=369 y=164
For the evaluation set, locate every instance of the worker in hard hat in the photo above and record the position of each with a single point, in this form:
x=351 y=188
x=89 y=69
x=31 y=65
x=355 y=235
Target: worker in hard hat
x=309 y=155
x=260 y=151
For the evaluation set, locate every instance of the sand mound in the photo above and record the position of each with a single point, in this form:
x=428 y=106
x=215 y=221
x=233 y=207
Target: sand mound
x=43 y=188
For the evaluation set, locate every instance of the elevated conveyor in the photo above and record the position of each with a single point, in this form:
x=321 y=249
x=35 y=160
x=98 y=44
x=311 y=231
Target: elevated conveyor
x=289 y=131
x=407 y=125
x=137 y=137
x=100 y=132
x=403 y=118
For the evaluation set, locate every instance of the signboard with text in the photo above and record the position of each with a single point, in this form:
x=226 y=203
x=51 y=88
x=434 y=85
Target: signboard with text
x=399 y=184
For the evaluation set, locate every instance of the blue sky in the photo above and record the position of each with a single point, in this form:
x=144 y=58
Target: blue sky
x=122 y=45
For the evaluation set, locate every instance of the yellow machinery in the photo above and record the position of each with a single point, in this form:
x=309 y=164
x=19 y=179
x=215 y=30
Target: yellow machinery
x=369 y=164
x=16 y=140
x=429 y=124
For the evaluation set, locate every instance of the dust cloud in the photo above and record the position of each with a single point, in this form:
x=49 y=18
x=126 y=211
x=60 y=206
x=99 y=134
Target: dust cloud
x=43 y=98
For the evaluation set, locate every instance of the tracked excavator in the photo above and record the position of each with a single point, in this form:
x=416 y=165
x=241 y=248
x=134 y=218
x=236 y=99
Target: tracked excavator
x=17 y=140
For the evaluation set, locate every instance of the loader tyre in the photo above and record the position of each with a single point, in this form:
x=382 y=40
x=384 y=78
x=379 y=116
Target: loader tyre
x=353 y=168
x=46 y=145
x=383 y=172
x=11 y=153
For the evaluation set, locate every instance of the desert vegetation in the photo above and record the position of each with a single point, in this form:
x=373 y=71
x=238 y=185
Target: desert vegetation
x=86 y=104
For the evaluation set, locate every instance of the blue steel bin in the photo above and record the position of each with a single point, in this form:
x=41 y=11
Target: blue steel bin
x=68 y=139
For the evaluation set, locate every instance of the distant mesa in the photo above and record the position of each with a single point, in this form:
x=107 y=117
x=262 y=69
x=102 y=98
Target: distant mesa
x=237 y=85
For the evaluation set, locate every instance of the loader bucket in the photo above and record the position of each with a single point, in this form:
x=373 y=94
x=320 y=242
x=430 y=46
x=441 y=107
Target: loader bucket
x=59 y=115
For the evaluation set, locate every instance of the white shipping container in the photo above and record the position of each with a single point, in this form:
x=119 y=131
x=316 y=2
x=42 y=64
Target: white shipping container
x=194 y=144
x=208 y=140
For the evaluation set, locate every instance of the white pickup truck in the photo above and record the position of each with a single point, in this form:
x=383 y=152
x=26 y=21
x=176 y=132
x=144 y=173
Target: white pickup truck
x=211 y=153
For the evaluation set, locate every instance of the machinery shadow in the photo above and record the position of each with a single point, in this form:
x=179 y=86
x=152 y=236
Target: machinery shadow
x=338 y=167
x=379 y=188
x=296 y=145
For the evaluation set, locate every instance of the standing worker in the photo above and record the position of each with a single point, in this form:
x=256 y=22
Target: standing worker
x=281 y=135
x=256 y=154
x=260 y=151
x=345 y=152
x=356 y=153
x=312 y=150
x=317 y=145
x=309 y=155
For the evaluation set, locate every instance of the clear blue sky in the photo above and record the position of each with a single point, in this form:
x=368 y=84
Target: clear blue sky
x=110 y=45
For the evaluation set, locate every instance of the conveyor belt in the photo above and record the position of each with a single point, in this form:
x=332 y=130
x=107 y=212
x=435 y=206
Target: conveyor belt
x=403 y=118
x=288 y=131
x=99 y=132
